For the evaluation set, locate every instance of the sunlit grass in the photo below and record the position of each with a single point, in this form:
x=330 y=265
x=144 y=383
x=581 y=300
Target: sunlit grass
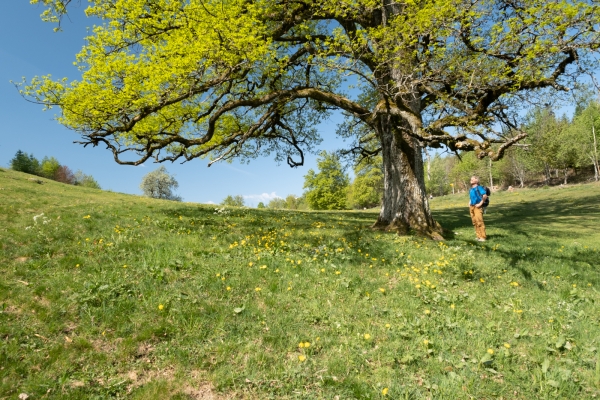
x=116 y=295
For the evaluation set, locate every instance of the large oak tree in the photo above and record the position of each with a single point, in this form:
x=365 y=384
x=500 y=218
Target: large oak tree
x=181 y=79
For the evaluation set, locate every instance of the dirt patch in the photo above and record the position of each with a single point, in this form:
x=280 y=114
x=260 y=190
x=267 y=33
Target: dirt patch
x=106 y=346
x=22 y=259
x=193 y=384
x=204 y=391
x=42 y=301
x=77 y=384
x=140 y=378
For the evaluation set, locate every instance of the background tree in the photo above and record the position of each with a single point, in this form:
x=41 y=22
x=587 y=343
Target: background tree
x=366 y=190
x=190 y=78
x=49 y=167
x=327 y=188
x=277 y=203
x=261 y=205
x=25 y=163
x=84 y=180
x=517 y=167
x=65 y=175
x=159 y=184
x=233 y=201
x=437 y=182
x=586 y=130
x=544 y=131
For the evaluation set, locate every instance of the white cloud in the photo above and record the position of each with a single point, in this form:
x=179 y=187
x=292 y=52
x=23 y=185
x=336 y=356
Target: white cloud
x=253 y=199
x=210 y=202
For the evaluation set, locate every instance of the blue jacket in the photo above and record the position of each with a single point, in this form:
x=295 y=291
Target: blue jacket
x=476 y=194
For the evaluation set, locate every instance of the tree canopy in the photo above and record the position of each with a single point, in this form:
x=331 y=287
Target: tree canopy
x=181 y=79
x=327 y=189
x=159 y=184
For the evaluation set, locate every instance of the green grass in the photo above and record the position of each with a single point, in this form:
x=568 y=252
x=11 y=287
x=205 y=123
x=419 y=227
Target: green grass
x=110 y=295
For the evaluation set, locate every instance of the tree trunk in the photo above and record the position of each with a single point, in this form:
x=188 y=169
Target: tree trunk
x=596 y=166
x=547 y=174
x=491 y=179
x=404 y=206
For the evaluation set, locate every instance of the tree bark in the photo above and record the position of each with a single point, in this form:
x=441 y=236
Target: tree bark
x=404 y=206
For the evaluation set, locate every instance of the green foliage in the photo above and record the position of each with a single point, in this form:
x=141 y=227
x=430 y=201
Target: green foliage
x=84 y=180
x=233 y=201
x=326 y=189
x=293 y=202
x=159 y=184
x=586 y=136
x=49 y=167
x=366 y=190
x=277 y=203
x=157 y=299
x=24 y=162
x=437 y=175
x=172 y=89
x=261 y=205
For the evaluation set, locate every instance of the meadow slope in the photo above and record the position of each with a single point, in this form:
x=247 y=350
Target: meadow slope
x=107 y=295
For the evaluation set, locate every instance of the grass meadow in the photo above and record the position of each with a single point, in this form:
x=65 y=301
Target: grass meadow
x=107 y=295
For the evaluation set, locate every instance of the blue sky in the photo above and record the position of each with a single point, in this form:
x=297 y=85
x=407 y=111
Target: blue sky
x=29 y=47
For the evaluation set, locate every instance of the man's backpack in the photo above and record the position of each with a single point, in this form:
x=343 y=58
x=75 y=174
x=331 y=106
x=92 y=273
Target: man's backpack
x=487 y=199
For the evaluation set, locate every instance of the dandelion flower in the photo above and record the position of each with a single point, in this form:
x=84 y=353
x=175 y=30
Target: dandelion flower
x=481 y=280
x=452 y=306
x=384 y=391
x=322 y=269
x=258 y=289
x=382 y=290
x=490 y=351
x=387 y=326
x=418 y=286
x=301 y=344
x=367 y=336
x=77 y=266
x=427 y=312
x=161 y=307
x=301 y=358
x=507 y=345
x=337 y=272
x=250 y=264
x=306 y=345
x=228 y=287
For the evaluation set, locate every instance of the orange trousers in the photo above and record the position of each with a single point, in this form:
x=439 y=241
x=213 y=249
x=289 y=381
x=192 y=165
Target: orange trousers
x=477 y=218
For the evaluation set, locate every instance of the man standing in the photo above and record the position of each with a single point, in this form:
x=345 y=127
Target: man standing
x=478 y=196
